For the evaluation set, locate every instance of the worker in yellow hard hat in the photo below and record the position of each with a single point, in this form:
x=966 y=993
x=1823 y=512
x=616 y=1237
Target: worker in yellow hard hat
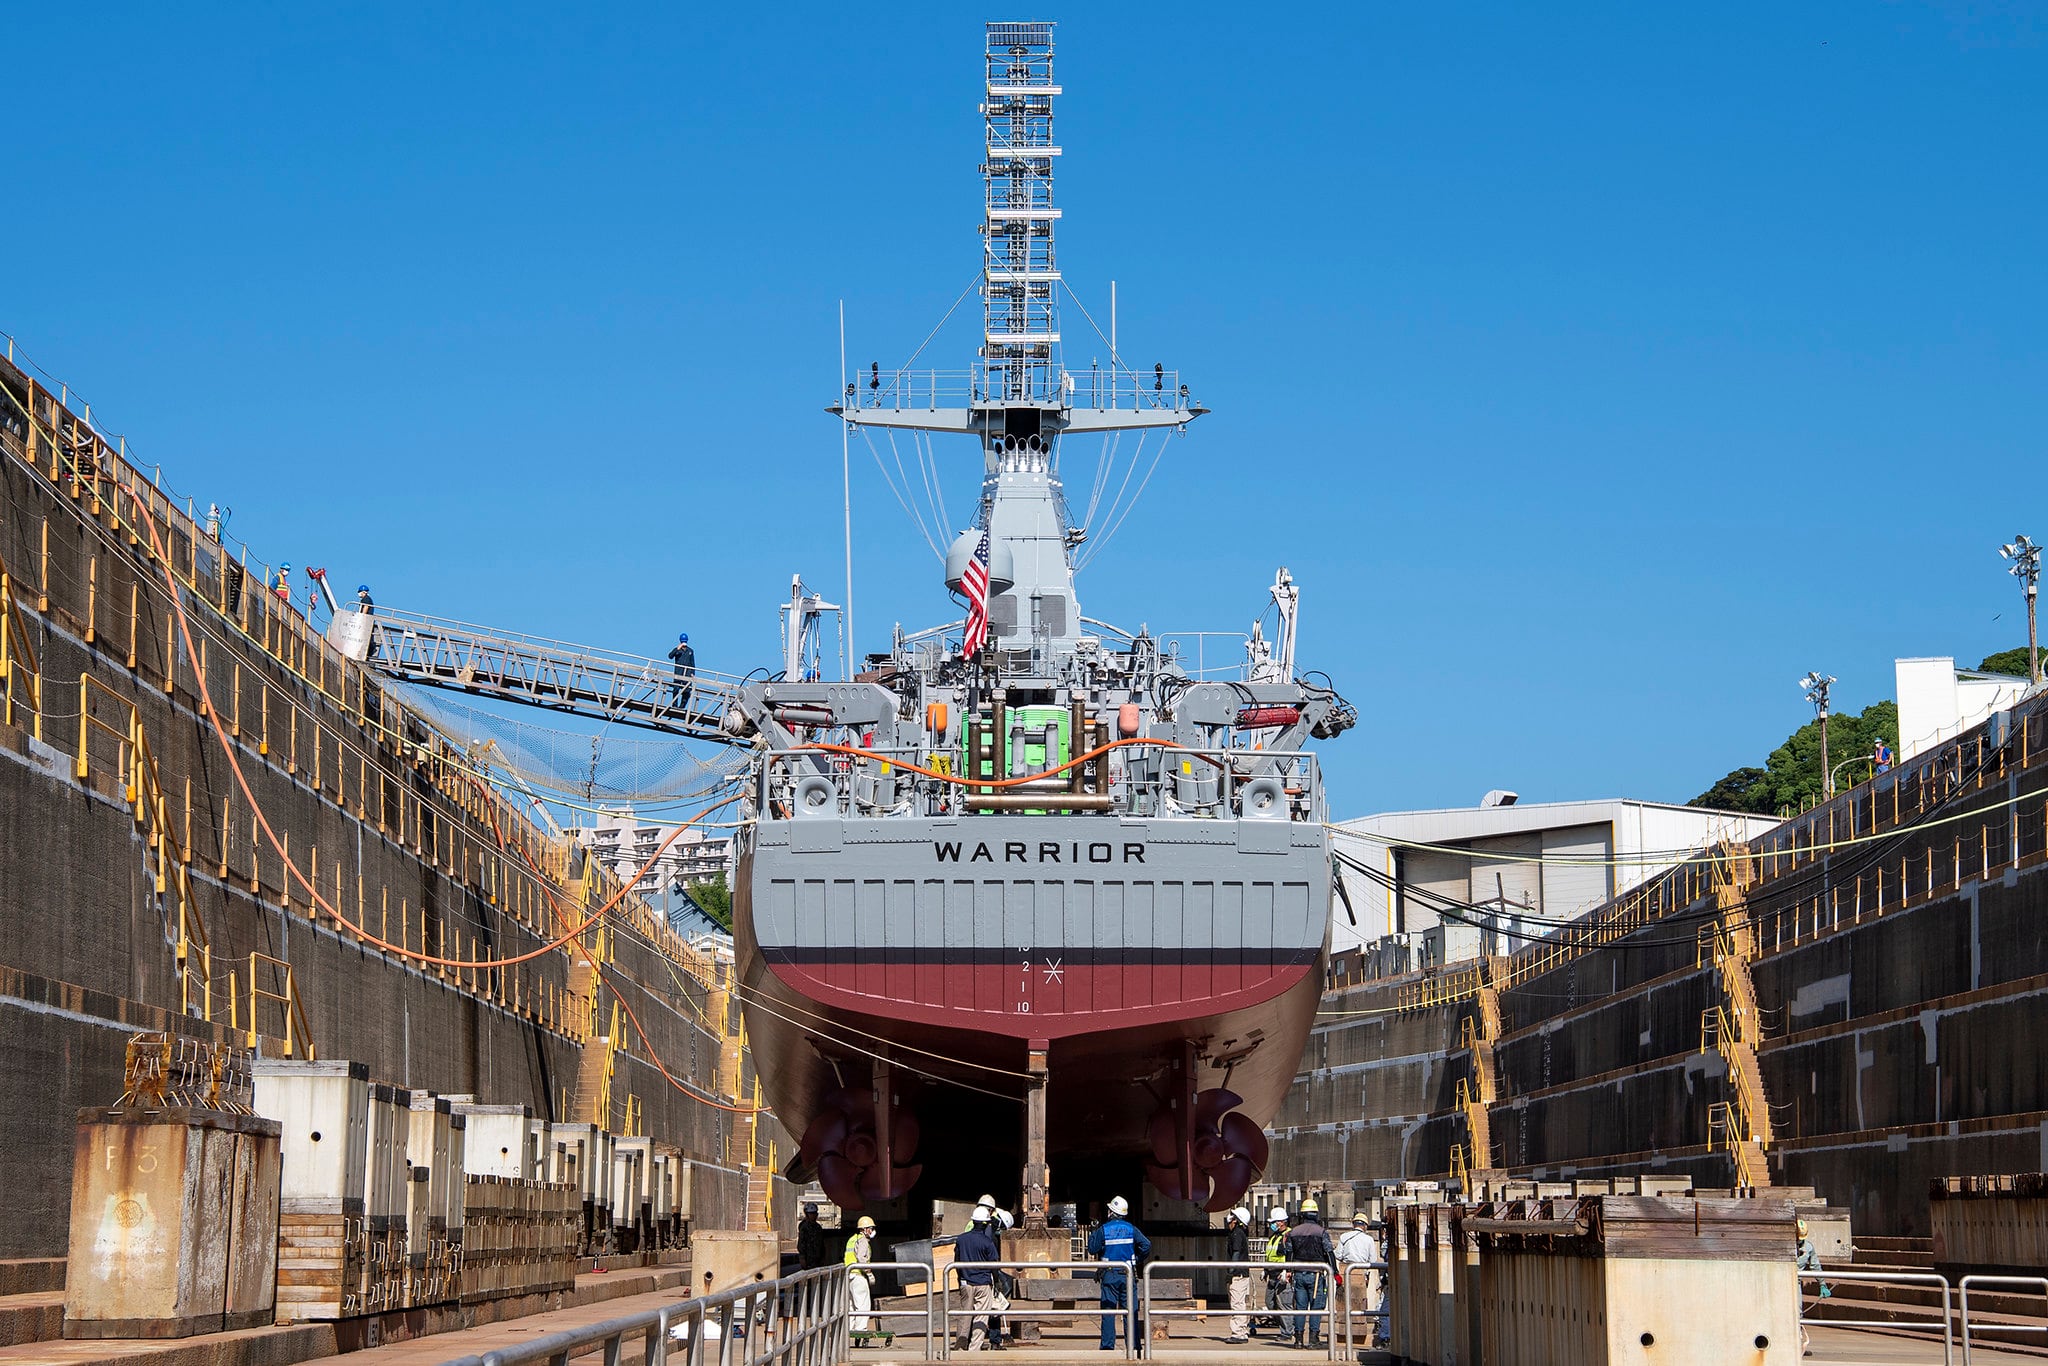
x=1308 y=1241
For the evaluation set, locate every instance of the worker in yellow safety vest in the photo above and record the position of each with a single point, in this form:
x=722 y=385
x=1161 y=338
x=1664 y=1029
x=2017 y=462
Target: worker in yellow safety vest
x=1276 y=1281
x=860 y=1282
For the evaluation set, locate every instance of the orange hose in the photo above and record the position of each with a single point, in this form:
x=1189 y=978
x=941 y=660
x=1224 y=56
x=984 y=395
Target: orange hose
x=263 y=821
x=959 y=781
x=548 y=890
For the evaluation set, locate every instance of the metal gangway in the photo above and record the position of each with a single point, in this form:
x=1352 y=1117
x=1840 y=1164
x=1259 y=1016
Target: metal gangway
x=632 y=690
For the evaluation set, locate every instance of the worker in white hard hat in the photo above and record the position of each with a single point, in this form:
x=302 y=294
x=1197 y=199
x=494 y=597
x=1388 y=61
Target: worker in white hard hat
x=974 y=1252
x=1119 y=1242
x=1237 y=1250
x=1006 y=1284
x=860 y=1282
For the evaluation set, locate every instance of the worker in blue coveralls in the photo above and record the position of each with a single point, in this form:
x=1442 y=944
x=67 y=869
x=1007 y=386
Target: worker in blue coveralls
x=1117 y=1241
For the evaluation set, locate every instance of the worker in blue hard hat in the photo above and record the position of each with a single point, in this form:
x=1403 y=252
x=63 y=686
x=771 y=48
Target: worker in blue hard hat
x=686 y=670
x=283 y=586
x=368 y=607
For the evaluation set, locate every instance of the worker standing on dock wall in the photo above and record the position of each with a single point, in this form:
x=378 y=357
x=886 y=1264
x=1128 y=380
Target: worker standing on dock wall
x=1237 y=1250
x=860 y=1284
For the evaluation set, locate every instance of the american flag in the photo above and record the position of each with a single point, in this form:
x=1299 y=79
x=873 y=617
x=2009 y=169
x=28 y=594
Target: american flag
x=974 y=582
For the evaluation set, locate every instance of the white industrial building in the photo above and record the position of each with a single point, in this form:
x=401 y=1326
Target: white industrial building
x=1527 y=867
x=624 y=844
x=1938 y=701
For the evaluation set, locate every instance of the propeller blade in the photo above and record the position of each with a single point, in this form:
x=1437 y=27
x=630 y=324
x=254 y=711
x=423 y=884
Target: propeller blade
x=857 y=1103
x=860 y=1148
x=1246 y=1139
x=901 y=1179
x=903 y=1136
x=1166 y=1180
x=860 y=1107
x=874 y=1182
x=1233 y=1177
x=1211 y=1106
x=841 y=1180
x=1165 y=1138
x=824 y=1135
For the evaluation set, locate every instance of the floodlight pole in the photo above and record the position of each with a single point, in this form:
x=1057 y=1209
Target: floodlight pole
x=2026 y=567
x=1817 y=685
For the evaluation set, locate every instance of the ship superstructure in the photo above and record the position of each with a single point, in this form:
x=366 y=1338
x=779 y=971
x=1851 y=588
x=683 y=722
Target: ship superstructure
x=1070 y=868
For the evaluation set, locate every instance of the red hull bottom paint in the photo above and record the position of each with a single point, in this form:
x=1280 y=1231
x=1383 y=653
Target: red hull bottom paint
x=1106 y=1069
x=1039 y=996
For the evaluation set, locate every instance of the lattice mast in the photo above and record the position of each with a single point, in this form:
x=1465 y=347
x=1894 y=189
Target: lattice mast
x=1020 y=269
x=1019 y=398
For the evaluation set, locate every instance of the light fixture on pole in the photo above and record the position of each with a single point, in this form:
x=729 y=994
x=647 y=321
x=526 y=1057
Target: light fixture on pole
x=2026 y=567
x=1817 y=686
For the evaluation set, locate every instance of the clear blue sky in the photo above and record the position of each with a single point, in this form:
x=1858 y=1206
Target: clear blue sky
x=1597 y=370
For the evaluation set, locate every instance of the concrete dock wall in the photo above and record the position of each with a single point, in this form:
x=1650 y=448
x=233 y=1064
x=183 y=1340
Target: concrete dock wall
x=378 y=812
x=1895 y=943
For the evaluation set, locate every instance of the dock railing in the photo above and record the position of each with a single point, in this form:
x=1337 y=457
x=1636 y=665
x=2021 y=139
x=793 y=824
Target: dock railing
x=1128 y=1310
x=2032 y=1285
x=806 y=1317
x=1361 y=1303
x=1332 y=1298
x=931 y=1292
x=1901 y=1278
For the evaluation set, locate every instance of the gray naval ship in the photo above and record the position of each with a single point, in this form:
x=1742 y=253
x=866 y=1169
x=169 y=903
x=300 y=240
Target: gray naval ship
x=1054 y=901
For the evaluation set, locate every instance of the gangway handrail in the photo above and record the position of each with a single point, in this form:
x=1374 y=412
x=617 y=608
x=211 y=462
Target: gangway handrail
x=556 y=675
x=1129 y=1312
x=662 y=668
x=1323 y=1269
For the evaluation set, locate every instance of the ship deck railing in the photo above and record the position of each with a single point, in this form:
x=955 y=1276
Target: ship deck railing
x=1096 y=388
x=1219 y=783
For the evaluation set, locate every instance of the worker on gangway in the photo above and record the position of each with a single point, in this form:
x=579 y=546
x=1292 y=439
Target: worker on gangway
x=685 y=660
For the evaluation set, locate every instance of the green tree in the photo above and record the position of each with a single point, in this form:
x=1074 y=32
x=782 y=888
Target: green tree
x=2012 y=662
x=1792 y=774
x=714 y=898
x=1744 y=789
